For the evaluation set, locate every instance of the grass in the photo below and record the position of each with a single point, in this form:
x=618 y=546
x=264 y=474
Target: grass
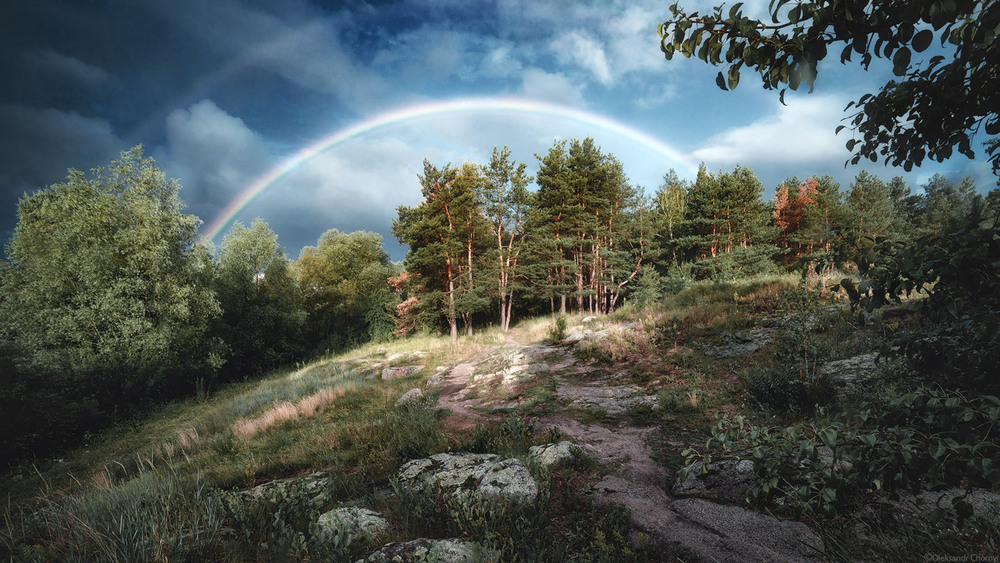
x=168 y=487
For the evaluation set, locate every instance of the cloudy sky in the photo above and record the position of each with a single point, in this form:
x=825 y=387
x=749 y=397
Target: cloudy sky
x=326 y=110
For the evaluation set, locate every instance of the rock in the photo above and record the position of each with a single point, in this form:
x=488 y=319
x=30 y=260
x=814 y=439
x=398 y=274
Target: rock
x=747 y=535
x=740 y=343
x=358 y=522
x=548 y=455
x=522 y=364
x=400 y=371
x=464 y=473
x=311 y=488
x=412 y=396
x=405 y=357
x=729 y=480
x=439 y=377
x=614 y=400
x=589 y=319
x=916 y=510
x=848 y=374
x=444 y=551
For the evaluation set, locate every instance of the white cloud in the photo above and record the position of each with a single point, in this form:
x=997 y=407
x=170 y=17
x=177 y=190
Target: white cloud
x=213 y=154
x=584 y=51
x=554 y=87
x=801 y=132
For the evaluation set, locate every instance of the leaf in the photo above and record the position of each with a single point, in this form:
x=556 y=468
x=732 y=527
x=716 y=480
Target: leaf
x=901 y=61
x=720 y=81
x=922 y=40
x=829 y=437
x=734 y=76
x=993 y=127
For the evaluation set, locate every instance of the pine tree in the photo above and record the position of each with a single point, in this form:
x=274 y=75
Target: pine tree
x=506 y=201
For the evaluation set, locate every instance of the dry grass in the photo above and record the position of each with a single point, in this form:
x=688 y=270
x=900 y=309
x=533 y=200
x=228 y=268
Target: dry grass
x=245 y=428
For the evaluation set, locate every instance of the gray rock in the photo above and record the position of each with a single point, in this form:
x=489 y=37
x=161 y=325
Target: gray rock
x=358 y=522
x=850 y=373
x=729 y=480
x=439 y=377
x=400 y=371
x=444 y=551
x=918 y=508
x=548 y=455
x=465 y=473
x=740 y=343
x=747 y=535
x=312 y=488
x=412 y=396
x=589 y=319
x=613 y=400
x=521 y=364
x=405 y=357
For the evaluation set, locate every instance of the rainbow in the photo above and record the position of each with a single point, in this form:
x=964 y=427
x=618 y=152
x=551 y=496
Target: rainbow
x=432 y=109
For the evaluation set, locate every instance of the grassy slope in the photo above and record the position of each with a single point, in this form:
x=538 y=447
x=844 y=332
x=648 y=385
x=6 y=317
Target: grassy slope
x=153 y=489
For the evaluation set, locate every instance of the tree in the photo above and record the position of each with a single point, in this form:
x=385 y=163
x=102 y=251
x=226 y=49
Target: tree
x=582 y=225
x=671 y=202
x=104 y=306
x=506 y=200
x=344 y=288
x=936 y=107
x=869 y=214
x=262 y=312
x=440 y=232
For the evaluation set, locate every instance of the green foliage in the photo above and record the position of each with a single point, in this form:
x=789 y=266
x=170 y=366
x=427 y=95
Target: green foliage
x=262 y=311
x=922 y=115
x=957 y=270
x=157 y=515
x=558 y=330
x=927 y=439
x=106 y=303
x=511 y=437
x=346 y=296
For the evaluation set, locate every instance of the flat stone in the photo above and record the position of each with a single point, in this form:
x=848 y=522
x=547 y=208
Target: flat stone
x=548 y=455
x=464 y=473
x=443 y=551
x=358 y=522
x=412 y=396
x=728 y=480
x=614 y=400
x=750 y=536
x=400 y=371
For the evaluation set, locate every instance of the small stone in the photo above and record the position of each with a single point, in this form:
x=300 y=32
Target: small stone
x=423 y=549
x=412 y=396
x=400 y=371
x=358 y=522
x=464 y=473
x=548 y=455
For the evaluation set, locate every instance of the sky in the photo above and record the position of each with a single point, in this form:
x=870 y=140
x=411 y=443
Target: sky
x=318 y=115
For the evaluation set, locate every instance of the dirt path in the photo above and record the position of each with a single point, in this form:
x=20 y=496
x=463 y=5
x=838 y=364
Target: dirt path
x=678 y=529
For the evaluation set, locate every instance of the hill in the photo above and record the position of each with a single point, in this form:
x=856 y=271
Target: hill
x=755 y=420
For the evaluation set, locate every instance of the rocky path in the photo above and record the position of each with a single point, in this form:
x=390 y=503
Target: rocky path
x=679 y=528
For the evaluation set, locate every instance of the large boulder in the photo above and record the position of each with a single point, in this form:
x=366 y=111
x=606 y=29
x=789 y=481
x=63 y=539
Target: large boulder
x=849 y=375
x=468 y=473
x=358 y=522
x=443 y=551
x=614 y=400
x=728 y=480
x=397 y=372
x=548 y=455
x=411 y=397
